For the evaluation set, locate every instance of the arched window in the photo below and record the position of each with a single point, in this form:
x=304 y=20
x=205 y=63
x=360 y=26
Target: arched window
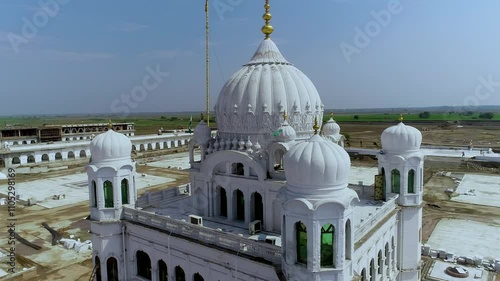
x=257 y=207
x=238 y=169
x=108 y=195
x=411 y=181
x=380 y=263
x=223 y=202
x=71 y=155
x=179 y=274
x=16 y=160
x=112 y=269
x=396 y=183
x=83 y=154
x=198 y=277
x=348 y=241
x=162 y=271
x=125 y=191
x=327 y=238
x=97 y=269
x=143 y=265
x=383 y=176
x=94 y=191
x=58 y=156
x=31 y=159
x=301 y=240
x=278 y=160
x=372 y=270
x=240 y=205
x=387 y=258
x=363 y=274
x=45 y=158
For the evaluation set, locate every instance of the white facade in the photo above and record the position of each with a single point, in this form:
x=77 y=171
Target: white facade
x=266 y=201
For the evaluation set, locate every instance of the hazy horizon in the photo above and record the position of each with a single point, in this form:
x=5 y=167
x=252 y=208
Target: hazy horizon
x=57 y=59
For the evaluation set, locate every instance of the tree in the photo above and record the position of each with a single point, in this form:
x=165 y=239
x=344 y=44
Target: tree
x=356 y=117
x=487 y=115
x=425 y=114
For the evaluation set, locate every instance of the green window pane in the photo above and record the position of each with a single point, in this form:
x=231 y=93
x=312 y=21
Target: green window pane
x=301 y=242
x=411 y=181
x=125 y=191
x=108 y=195
x=327 y=239
x=396 y=183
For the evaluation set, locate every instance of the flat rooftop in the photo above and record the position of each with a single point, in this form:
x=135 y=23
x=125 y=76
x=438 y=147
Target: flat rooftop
x=486 y=190
x=74 y=187
x=466 y=238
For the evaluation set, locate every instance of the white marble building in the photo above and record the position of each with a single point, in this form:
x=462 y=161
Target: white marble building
x=268 y=198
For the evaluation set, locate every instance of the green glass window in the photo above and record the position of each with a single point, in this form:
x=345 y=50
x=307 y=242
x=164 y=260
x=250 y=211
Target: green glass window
x=327 y=238
x=179 y=274
x=143 y=265
x=125 y=191
x=301 y=231
x=198 y=277
x=108 y=194
x=396 y=183
x=411 y=181
x=94 y=191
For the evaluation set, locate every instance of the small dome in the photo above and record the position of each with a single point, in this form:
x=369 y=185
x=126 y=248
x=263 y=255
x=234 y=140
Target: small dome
x=286 y=133
x=401 y=138
x=202 y=133
x=110 y=146
x=330 y=128
x=316 y=166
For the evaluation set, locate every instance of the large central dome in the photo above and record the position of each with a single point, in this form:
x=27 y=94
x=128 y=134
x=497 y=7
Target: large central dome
x=253 y=100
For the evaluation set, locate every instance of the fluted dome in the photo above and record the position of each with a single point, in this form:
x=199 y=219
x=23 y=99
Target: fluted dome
x=401 y=138
x=202 y=133
x=286 y=133
x=110 y=146
x=330 y=128
x=316 y=166
x=253 y=100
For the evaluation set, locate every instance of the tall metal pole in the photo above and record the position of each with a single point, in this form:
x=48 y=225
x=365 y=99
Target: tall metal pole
x=207 y=64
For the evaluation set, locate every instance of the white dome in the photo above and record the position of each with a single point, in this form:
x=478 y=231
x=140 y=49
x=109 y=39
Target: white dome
x=253 y=100
x=202 y=133
x=331 y=128
x=110 y=146
x=287 y=133
x=316 y=166
x=401 y=138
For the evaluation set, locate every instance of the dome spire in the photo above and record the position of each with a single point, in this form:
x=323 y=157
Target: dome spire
x=110 y=124
x=316 y=126
x=267 y=29
x=401 y=117
x=284 y=116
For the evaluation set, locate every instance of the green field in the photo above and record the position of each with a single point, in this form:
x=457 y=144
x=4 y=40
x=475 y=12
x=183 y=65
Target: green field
x=146 y=124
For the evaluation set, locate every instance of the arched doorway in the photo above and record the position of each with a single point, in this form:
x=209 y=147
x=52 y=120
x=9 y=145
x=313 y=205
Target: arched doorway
x=240 y=205
x=112 y=269
x=83 y=154
x=2 y=163
x=143 y=265
x=16 y=161
x=198 y=277
x=125 y=191
x=97 y=265
x=348 y=241
x=71 y=155
x=45 y=158
x=222 y=202
x=25 y=142
x=31 y=159
x=179 y=274
x=141 y=147
x=162 y=271
x=150 y=146
x=257 y=207
x=395 y=180
x=58 y=156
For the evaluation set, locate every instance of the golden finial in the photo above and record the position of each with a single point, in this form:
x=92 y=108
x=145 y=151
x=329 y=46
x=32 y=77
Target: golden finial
x=267 y=29
x=401 y=117
x=284 y=116
x=331 y=114
x=316 y=126
x=110 y=124
x=201 y=116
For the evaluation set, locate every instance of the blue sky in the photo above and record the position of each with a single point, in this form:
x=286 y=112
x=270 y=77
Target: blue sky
x=85 y=55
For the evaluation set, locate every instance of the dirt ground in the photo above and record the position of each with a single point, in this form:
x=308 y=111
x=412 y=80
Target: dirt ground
x=54 y=262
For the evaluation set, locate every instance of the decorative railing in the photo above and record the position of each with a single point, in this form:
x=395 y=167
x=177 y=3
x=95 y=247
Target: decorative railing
x=367 y=225
x=206 y=235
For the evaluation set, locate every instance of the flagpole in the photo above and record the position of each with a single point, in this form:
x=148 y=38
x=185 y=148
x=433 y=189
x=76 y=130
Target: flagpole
x=207 y=64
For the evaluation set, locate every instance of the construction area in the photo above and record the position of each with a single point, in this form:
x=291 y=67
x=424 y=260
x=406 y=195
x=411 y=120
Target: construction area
x=461 y=211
